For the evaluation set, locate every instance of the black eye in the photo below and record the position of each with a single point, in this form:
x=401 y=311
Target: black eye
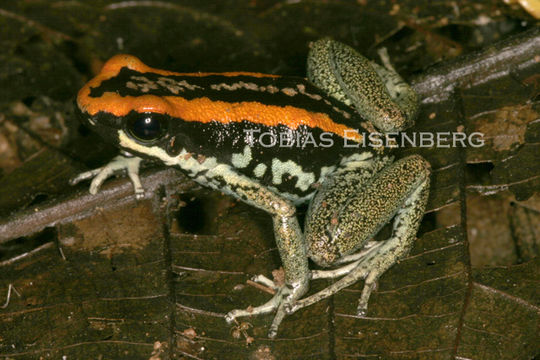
x=147 y=126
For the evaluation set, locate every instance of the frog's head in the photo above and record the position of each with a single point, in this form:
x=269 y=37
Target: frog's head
x=147 y=128
x=122 y=103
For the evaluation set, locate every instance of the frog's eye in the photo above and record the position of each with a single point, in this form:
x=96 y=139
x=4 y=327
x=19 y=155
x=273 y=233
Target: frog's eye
x=146 y=127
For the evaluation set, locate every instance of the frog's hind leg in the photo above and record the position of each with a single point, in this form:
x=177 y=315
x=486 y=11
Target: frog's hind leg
x=377 y=92
x=401 y=189
x=400 y=92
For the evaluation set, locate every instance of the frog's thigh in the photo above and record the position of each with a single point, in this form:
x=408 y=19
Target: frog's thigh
x=330 y=208
x=401 y=189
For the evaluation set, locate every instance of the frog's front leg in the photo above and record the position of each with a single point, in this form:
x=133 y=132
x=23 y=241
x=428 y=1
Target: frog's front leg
x=126 y=162
x=339 y=227
x=289 y=239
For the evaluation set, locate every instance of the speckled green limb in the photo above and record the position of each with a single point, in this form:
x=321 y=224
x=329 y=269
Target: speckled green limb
x=129 y=163
x=290 y=243
x=402 y=189
x=378 y=93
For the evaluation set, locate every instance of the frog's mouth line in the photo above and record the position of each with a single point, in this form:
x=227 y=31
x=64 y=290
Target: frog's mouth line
x=126 y=142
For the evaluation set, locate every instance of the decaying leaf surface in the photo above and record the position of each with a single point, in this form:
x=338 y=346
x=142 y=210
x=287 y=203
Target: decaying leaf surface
x=109 y=277
x=430 y=299
x=502 y=313
x=105 y=296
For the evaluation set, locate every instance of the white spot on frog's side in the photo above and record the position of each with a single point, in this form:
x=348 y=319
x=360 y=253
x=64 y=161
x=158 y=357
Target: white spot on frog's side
x=236 y=86
x=259 y=170
x=241 y=160
x=302 y=89
x=141 y=83
x=280 y=168
x=289 y=91
x=345 y=114
x=244 y=85
x=144 y=84
x=271 y=89
x=176 y=86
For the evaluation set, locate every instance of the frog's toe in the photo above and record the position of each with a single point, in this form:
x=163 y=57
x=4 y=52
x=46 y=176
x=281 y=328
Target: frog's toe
x=119 y=163
x=265 y=308
x=263 y=280
x=232 y=315
x=99 y=179
x=369 y=285
x=280 y=315
x=137 y=186
x=90 y=174
x=361 y=311
x=278 y=302
x=291 y=308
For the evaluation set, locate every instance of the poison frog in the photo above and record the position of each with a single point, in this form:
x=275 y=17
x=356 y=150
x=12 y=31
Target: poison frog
x=276 y=142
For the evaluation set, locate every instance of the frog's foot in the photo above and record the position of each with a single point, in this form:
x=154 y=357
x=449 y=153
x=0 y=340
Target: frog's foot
x=263 y=280
x=359 y=269
x=278 y=302
x=370 y=267
x=99 y=175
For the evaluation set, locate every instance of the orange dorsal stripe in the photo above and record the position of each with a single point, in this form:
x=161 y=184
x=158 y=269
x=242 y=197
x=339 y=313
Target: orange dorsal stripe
x=205 y=110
